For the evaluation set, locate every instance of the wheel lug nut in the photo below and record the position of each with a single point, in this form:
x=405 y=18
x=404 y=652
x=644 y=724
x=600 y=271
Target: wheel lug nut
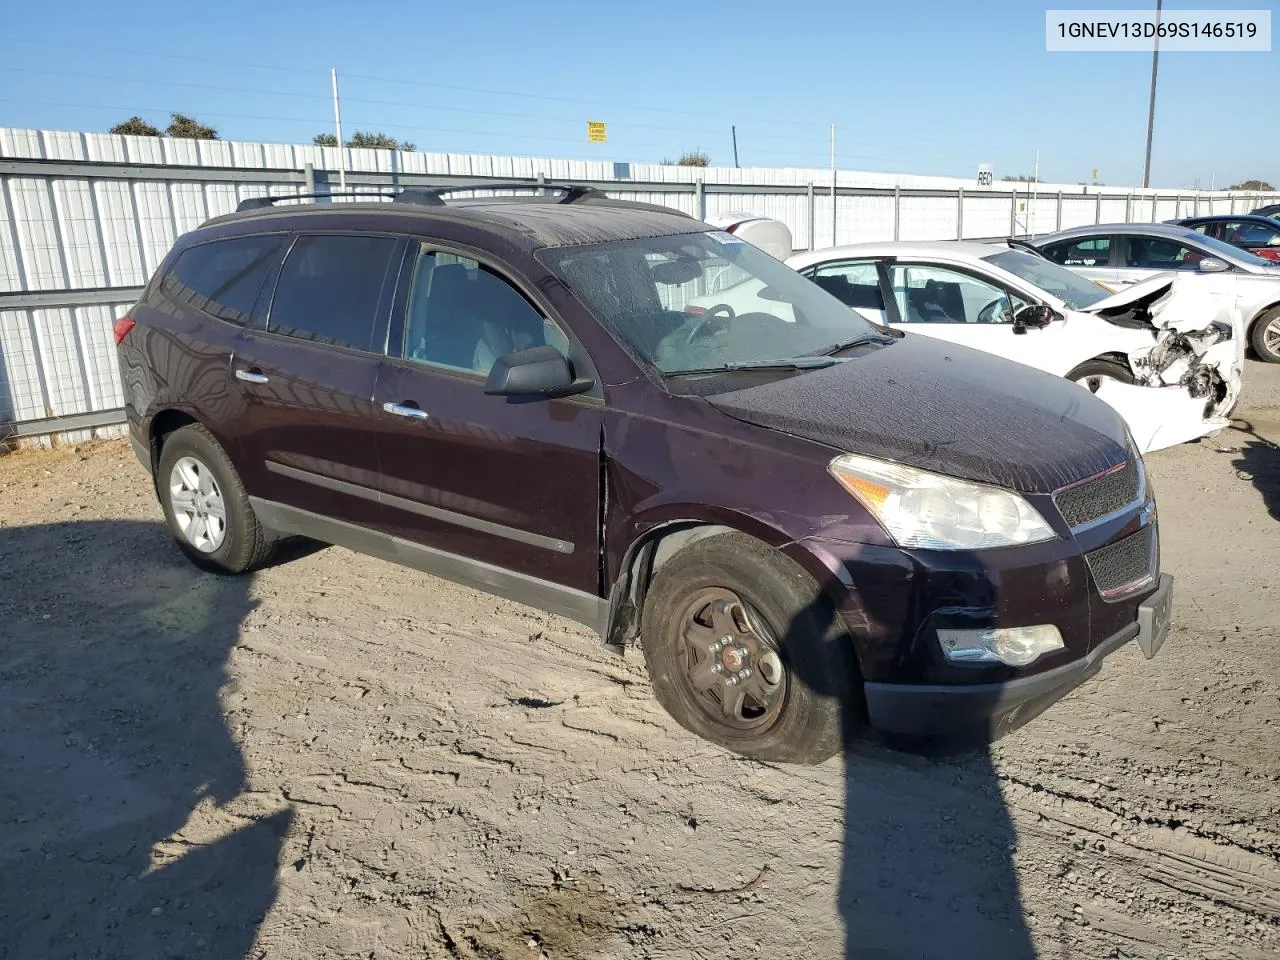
x=713 y=648
x=744 y=673
x=731 y=681
x=716 y=668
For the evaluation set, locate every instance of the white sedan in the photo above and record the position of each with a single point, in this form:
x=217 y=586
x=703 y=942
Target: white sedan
x=1163 y=352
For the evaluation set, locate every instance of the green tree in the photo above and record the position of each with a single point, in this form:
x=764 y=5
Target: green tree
x=188 y=128
x=692 y=158
x=325 y=140
x=1251 y=185
x=376 y=141
x=135 y=127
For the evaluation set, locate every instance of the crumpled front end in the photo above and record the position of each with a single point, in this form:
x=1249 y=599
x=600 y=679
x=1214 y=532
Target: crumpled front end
x=1188 y=383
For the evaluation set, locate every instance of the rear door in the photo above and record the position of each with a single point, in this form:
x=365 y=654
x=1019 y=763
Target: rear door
x=307 y=377
x=512 y=482
x=1090 y=256
x=855 y=283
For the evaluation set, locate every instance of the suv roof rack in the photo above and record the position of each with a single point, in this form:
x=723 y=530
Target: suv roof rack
x=258 y=203
x=434 y=196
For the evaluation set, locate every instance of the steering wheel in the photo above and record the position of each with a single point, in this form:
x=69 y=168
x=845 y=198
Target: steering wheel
x=988 y=313
x=719 y=310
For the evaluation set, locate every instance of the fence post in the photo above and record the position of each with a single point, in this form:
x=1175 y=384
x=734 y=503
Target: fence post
x=700 y=199
x=542 y=179
x=1128 y=208
x=1155 y=205
x=1097 y=208
x=959 y=213
x=897 y=212
x=1059 y=226
x=1013 y=213
x=812 y=212
x=308 y=178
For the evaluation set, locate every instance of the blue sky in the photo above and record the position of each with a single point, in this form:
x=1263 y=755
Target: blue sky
x=915 y=86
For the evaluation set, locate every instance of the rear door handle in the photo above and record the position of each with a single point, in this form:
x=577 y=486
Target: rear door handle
x=252 y=376
x=404 y=410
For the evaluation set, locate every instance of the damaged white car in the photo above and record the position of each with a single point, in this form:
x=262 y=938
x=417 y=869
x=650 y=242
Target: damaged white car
x=1164 y=352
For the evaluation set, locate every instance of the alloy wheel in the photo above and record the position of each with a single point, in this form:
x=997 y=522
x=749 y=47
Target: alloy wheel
x=198 y=507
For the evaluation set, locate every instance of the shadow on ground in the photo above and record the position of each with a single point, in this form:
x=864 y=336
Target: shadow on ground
x=927 y=869
x=1259 y=462
x=110 y=737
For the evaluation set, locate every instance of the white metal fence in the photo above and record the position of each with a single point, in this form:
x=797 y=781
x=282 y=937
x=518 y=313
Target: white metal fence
x=85 y=218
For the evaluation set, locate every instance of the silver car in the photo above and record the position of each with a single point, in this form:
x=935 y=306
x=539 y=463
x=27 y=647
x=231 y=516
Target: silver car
x=1117 y=254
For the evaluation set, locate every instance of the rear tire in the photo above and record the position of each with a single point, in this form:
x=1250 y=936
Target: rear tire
x=206 y=506
x=785 y=689
x=1092 y=372
x=1265 y=336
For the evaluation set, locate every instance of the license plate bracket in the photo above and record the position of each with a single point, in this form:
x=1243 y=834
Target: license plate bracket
x=1155 y=614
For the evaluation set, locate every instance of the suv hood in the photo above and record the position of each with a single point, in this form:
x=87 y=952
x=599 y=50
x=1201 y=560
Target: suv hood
x=946 y=408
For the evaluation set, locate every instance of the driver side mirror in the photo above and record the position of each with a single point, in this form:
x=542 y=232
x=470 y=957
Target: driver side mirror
x=535 y=372
x=1033 y=315
x=1213 y=265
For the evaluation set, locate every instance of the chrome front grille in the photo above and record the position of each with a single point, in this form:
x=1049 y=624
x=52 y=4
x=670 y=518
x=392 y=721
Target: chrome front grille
x=1123 y=568
x=1091 y=500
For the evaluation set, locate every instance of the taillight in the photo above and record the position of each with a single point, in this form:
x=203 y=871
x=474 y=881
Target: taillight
x=122 y=327
x=1270 y=253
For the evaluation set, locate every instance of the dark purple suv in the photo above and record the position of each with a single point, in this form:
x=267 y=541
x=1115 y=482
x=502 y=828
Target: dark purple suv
x=616 y=413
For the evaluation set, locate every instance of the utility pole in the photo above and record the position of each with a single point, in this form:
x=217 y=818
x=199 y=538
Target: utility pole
x=734 y=130
x=337 y=122
x=1151 y=107
x=833 y=184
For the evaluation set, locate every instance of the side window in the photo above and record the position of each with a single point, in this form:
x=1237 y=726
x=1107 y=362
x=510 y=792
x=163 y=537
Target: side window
x=1090 y=252
x=853 y=283
x=463 y=315
x=1249 y=234
x=223 y=277
x=329 y=288
x=1154 y=253
x=927 y=294
x=1209 y=229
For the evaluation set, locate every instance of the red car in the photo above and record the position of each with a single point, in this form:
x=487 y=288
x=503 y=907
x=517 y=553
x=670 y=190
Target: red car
x=1259 y=235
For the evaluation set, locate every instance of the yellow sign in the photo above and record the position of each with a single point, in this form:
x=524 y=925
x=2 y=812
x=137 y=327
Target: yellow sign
x=595 y=131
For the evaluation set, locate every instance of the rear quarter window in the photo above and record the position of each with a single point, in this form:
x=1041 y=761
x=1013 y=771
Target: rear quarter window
x=223 y=277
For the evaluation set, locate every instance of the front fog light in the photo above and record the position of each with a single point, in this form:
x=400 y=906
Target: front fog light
x=1016 y=646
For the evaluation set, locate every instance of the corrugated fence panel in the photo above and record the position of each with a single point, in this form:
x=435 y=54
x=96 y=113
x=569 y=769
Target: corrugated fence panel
x=986 y=216
x=71 y=229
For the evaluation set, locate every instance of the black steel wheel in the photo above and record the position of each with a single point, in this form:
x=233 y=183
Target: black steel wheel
x=744 y=650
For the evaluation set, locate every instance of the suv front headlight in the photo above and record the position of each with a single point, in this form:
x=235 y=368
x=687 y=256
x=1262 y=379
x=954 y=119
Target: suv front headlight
x=936 y=512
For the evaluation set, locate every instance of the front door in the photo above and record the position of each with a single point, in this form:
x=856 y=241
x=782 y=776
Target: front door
x=1088 y=256
x=855 y=283
x=308 y=378
x=959 y=306
x=512 y=482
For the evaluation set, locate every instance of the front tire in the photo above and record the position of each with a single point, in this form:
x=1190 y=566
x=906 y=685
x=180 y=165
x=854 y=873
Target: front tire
x=744 y=651
x=1091 y=373
x=206 y=506
x=1265 y=336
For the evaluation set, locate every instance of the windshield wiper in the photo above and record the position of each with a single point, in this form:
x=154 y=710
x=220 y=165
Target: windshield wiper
x=792 y=363
x=856 y=342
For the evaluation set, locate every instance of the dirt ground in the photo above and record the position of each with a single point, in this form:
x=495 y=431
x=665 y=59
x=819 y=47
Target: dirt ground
x=337 y=757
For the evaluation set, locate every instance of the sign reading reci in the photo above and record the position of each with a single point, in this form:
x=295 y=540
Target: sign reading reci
x=1140 y=30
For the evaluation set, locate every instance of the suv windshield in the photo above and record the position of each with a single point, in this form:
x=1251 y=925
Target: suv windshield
x=705 y=300
x=1069 y=287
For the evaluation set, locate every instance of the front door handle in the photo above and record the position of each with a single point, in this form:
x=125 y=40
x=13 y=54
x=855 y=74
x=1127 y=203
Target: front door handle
x=252 y=376
x=404 y=410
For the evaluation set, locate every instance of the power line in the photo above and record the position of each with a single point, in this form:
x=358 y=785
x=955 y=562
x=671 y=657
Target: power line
x=880 y=135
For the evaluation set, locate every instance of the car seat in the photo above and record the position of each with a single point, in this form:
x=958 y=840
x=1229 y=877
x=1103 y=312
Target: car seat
x=454 y=322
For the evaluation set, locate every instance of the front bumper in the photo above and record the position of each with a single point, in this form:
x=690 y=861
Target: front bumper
x=986 y=711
